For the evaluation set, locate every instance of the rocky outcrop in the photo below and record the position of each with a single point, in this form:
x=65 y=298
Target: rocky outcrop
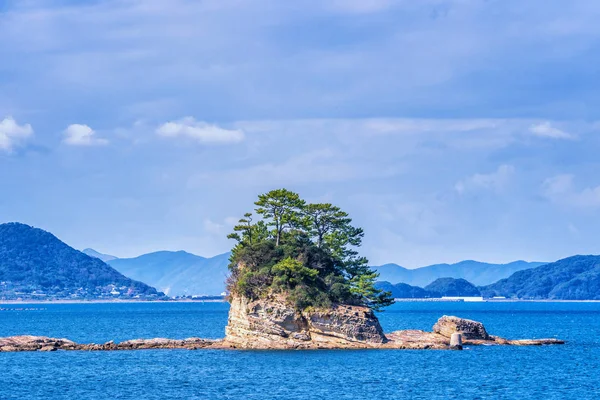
x=272 y=323
x=469 y=329
x=42 y=343
x=34 y=343
x=413 y=339
x=157 y=343
x=347 y=323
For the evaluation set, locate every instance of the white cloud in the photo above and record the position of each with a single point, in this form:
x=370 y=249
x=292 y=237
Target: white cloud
x=82 y=135
x=231 y=221
x=546 y=130
x=219 y=228
x=561 y=189
x=213 y=227
x=12 y=133
x=200 y=131
x=495 y=181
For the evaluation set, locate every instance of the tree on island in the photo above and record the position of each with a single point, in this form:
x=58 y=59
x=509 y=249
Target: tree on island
x=306 y=252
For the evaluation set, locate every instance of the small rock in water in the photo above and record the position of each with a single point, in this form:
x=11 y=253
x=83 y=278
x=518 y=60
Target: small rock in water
x=456 y=341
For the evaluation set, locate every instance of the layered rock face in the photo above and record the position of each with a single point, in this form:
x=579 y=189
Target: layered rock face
x=446 y=326
x=272 y=323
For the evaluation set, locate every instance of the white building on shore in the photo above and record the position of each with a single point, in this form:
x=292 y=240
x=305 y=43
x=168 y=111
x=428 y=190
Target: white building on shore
x=463 y=298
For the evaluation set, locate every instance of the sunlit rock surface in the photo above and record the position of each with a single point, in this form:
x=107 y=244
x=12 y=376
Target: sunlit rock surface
x=275 y=325
x=446 y=326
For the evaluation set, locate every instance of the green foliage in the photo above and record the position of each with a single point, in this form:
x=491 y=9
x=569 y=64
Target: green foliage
x=322 y=220
x=280 y=208
x=290 y=273
x=305 y=251
x=363 y=287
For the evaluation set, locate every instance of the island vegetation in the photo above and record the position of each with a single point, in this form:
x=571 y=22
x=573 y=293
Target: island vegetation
x=305 y=252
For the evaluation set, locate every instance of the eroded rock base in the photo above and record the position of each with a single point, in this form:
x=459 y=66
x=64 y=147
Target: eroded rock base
x=273 y=324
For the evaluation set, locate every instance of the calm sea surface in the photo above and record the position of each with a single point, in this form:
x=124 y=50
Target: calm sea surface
x=571 y=371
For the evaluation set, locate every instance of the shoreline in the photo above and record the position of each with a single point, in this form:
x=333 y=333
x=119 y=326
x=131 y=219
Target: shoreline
x=23 y=302
x=8 y=302
x=495 y=301
x=448 y=333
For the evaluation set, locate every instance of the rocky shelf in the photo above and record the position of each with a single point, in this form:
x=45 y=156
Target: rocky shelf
x=252 y=327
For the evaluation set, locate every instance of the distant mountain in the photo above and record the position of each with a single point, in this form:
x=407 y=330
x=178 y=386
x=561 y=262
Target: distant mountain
x=180 y=273
x=439 y=288
x=573 y=278
x=404 y=291
x=177 y=273
x=94 y=253
x=452 y=287
x=478 y=273
x=34 y=264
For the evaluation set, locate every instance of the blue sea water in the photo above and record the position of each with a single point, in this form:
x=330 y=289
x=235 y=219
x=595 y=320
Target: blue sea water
x=571 y=371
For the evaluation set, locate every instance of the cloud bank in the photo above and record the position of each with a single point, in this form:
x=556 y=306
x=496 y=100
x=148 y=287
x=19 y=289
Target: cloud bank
x=199 y=131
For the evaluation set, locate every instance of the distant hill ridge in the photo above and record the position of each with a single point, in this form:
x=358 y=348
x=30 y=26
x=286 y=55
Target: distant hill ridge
x=34 y=264
x=476 y=272
x=441 y=287
x=572 y=278
x=177 y=273
x=453 y=287
x=94 y=253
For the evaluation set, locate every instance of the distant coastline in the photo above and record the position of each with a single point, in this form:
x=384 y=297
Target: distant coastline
x=120 y=301
x=436 y=300
x=116 y=301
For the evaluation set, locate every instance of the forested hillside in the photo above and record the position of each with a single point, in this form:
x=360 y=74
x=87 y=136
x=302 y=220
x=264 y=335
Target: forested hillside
x=34 y=264
x=573 y=278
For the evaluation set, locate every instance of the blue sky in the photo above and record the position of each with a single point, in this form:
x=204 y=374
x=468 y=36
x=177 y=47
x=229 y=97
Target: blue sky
x=449 y=129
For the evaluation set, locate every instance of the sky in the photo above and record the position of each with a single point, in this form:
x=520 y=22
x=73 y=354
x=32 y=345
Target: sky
x=448 y=129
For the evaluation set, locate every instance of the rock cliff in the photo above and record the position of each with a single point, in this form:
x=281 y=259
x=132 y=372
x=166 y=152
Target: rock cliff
x=272 y=323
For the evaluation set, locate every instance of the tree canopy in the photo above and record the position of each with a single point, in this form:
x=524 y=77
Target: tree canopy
x=306 y=251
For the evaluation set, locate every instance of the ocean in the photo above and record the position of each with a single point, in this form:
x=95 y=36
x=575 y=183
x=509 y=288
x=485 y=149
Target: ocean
x=571 y=371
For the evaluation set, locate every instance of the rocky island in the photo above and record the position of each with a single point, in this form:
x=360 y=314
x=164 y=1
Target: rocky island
x=298 y=282
x=333 y=331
